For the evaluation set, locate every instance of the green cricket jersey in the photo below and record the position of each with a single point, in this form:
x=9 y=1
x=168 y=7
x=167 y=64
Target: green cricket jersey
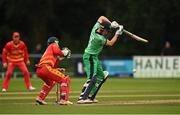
x=96 y=41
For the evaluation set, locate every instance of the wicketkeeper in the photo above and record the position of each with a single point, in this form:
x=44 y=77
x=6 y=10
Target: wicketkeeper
x=47 y=70
x=95 y=74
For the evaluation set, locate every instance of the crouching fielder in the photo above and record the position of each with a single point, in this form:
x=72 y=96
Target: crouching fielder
x=95 y=74
x=47 y=70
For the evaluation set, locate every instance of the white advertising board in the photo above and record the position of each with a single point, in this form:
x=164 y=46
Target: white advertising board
x=157 y=66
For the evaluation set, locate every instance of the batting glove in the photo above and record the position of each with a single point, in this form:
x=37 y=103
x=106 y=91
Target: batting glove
x=114 y=24
x=120 y=30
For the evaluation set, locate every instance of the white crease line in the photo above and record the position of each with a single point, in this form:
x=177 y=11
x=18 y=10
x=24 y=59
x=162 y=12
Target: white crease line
x=103 y=96
x=130 y=102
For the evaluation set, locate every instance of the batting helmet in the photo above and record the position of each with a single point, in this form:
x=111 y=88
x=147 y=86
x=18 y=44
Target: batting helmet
x=52 y=40
x=105 y=25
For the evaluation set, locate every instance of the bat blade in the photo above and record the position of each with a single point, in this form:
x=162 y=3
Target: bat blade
x=135 y=36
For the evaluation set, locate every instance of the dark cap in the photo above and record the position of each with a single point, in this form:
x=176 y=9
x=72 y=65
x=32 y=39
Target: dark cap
x=52 y=40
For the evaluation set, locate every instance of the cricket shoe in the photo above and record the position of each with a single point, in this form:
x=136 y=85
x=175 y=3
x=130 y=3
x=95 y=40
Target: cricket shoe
x=64 y=102
x=31 y=88
x=39 y=101
x=95 y=101
x=4 y=90
x=86 y=101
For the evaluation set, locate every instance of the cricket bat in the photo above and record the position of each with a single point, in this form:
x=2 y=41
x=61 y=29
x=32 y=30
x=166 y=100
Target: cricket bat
x=135 y=36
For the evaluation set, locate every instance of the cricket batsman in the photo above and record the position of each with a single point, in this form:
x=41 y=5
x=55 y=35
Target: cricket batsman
x=13 y=55
x=47 y=70
x=95 y=74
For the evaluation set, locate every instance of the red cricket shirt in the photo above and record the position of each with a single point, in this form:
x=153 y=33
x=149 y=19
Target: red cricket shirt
x=15 y=53
x=50 y=56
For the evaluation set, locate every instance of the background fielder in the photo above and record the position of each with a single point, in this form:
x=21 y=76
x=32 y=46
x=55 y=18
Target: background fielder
x=95 y=75
x=13 y=55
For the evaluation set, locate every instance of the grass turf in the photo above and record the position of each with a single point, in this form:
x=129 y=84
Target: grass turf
x=125 y=96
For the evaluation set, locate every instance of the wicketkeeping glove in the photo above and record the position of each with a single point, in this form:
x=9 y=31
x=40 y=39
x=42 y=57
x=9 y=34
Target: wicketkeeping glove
x=114 y=24
x=66 y=52
x=120 y=30
x=69 y=54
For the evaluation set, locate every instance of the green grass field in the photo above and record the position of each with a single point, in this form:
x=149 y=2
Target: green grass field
x=117 y=96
